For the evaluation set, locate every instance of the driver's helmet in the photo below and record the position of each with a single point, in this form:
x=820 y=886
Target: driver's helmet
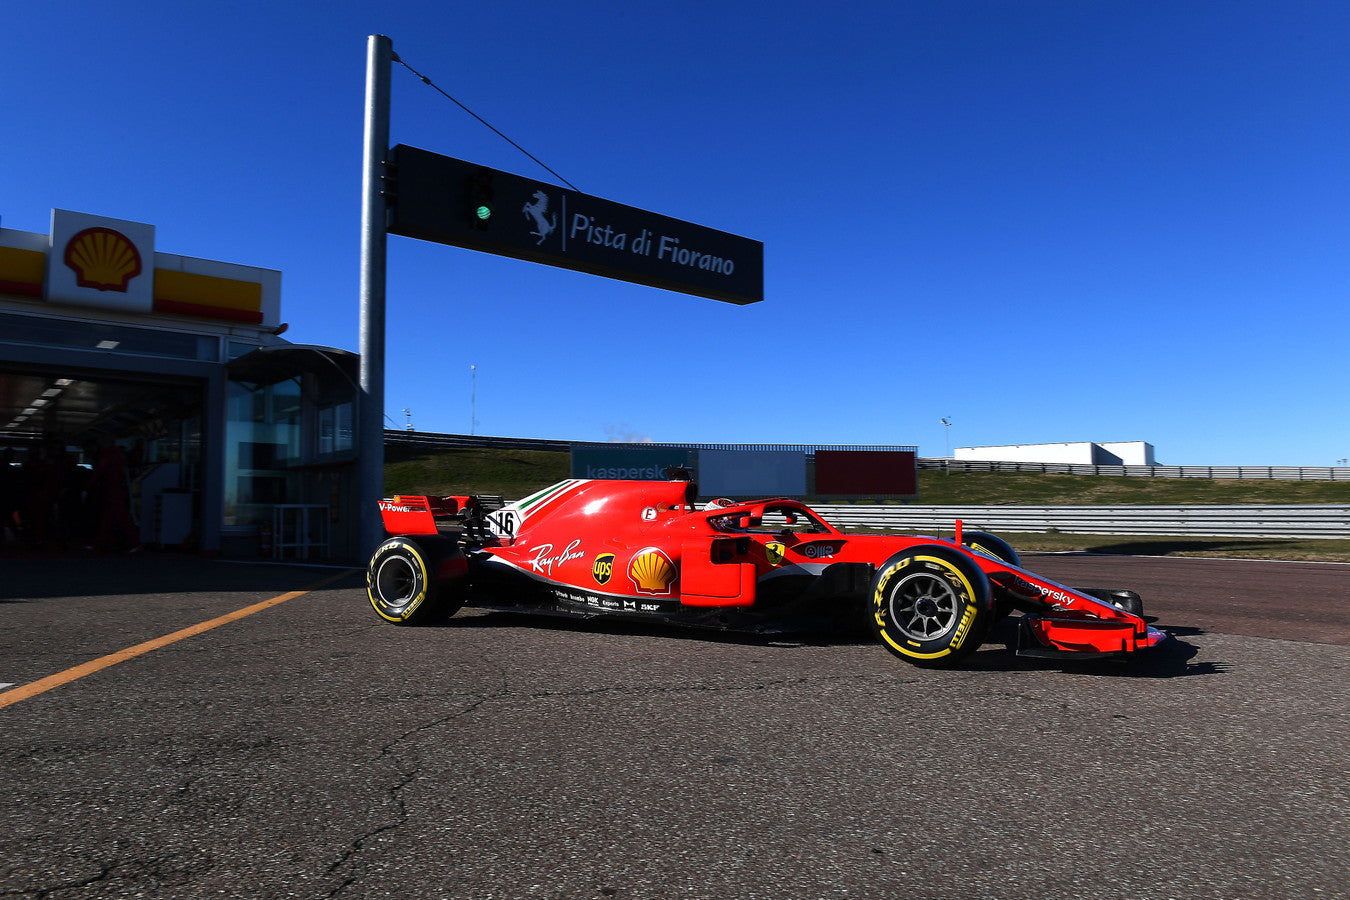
x=719 y=503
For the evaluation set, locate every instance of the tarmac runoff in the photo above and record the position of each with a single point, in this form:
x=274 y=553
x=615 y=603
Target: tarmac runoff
x=41 y=686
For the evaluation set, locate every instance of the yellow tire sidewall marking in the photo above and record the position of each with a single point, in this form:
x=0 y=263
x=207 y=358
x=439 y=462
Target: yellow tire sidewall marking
x=949 y=571
x=421 y=564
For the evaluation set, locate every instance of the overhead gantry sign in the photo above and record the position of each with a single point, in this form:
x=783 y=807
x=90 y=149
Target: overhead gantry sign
x=450 y=201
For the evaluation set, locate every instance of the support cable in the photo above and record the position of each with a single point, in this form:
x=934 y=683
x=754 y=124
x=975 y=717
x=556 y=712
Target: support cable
x=437 y=88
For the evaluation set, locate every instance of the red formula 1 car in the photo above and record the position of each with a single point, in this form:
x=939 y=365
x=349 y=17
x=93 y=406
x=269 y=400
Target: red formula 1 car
x=643 y=549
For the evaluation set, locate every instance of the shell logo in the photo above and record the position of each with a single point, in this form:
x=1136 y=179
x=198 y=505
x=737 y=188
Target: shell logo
x=103 y=259
x=651 y=571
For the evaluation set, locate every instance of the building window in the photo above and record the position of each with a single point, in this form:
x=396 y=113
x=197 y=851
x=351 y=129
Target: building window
x=262 y=449
x=335 y=429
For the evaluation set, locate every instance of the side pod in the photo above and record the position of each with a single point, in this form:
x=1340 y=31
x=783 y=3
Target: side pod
x=710 y=574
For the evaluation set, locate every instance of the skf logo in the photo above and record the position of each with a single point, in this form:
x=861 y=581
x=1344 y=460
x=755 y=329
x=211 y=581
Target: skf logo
x=102 y=258
x=775 y=552
x=603 y=568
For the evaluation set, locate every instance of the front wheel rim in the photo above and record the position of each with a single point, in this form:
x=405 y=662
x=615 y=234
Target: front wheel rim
x=924 y=606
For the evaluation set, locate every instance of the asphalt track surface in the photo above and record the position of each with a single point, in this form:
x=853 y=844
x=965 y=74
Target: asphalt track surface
x=308 y=750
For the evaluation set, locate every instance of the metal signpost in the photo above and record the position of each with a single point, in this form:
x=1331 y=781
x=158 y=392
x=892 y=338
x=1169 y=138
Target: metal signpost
x=370 y=425
x=424 y=195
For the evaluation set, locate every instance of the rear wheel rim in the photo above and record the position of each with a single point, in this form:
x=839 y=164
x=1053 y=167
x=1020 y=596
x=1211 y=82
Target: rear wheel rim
x=397 y=582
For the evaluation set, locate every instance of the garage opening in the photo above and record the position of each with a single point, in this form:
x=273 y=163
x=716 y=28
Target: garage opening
x=58 y=424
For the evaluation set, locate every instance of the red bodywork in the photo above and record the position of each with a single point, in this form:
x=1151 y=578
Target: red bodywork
x=644 y=548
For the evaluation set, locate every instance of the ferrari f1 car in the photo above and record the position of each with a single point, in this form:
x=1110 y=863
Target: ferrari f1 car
x=644 y=549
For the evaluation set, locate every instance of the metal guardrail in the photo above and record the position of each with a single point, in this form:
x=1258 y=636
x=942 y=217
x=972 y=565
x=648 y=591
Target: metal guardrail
x=1285 y=521
x=1264 y=473
x=434 y=439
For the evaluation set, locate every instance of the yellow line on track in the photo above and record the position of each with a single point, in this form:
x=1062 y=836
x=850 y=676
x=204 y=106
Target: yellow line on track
x=10 y=697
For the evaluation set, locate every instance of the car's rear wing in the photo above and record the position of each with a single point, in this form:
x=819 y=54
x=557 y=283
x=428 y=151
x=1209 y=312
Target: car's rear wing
x=408 y=514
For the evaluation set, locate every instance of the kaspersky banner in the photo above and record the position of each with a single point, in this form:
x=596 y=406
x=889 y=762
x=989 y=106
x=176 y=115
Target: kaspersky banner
x=629 y=462
x=450 y=201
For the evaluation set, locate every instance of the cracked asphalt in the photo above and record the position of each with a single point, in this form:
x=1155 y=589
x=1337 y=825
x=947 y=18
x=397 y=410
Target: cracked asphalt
x=311 y=751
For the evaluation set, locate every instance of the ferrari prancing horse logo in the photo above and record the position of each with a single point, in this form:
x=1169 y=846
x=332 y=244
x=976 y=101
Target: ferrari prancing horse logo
x=775 y=552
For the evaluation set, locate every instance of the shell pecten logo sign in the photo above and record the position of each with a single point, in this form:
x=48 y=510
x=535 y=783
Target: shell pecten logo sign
x=94 y=261
x=102 y=259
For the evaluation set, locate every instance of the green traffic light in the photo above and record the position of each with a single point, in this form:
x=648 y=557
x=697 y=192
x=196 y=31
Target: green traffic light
x=483 y=212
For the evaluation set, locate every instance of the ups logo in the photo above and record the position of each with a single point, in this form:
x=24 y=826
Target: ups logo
x=603 y=568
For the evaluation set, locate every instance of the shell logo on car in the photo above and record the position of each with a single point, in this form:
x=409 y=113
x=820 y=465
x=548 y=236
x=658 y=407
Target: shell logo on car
x=651 y=571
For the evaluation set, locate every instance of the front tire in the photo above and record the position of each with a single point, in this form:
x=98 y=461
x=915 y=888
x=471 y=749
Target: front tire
x=1128 y=601
x=405 y=581
x=991 y=545
x=930 y=606
x=1001 y=550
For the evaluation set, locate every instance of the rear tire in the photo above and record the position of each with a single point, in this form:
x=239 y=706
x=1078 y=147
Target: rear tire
x=930 y=606
x=406 y=583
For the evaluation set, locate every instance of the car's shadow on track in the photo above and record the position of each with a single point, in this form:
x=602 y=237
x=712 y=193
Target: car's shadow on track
x=805 y=634
x=1172 y=659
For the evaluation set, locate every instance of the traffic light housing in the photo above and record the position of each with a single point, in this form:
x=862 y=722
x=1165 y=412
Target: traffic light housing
x=481 y=208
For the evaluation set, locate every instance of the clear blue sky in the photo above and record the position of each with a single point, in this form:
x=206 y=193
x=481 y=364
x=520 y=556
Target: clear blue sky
x=1048 y=221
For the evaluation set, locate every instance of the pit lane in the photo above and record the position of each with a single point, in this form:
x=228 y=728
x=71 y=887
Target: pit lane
x=308 y=750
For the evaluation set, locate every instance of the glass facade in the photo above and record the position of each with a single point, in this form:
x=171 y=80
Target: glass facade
x=335 y=429
x=263 y=440
x=289 y=448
